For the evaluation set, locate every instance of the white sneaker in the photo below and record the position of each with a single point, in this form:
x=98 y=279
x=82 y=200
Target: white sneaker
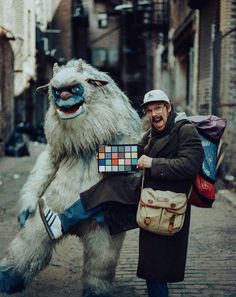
x=51 y=220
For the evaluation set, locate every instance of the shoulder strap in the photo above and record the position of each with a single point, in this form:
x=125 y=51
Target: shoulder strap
x=181 y=123
x=143 y=175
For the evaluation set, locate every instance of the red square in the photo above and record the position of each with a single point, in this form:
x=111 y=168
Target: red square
x=114 y=161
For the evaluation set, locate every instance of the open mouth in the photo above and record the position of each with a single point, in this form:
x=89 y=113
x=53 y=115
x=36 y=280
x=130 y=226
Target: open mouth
x=70 y=111
x=157 y=119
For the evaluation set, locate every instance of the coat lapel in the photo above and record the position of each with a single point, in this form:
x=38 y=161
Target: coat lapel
x=160 y=143
x=158 y=146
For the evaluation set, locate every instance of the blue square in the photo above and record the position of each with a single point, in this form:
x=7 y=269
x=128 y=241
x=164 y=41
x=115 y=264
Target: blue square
x=101 y=162
x=108 y=155
x=114 y=149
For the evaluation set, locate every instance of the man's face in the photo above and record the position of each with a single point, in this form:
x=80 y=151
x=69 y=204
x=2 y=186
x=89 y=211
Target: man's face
x=157 y=114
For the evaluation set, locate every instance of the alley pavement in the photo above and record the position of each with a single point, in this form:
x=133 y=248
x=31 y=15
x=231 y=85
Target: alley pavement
x=211 y=262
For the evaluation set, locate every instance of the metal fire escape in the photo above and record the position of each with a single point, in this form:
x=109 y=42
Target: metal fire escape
x=80 y=24
x=142 y=24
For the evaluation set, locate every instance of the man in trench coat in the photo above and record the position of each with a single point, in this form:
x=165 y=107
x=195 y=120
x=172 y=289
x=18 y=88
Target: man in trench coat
x=172 y=154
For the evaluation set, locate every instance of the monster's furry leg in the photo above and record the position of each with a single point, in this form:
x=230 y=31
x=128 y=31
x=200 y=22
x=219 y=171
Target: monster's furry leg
x=28 y=253
x=101 y=253
x=38 y=180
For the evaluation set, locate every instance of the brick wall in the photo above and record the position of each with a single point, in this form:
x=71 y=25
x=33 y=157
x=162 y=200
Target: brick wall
x=228 y=79
x=179 y=12
x=6 y=93
x=62 y=21
x=181 y=36
x=208 y=19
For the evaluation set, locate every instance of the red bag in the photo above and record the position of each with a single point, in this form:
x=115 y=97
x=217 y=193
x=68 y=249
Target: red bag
x=203 y=193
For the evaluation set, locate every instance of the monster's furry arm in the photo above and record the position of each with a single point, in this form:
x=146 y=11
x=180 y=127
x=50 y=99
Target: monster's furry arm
x=37 y=181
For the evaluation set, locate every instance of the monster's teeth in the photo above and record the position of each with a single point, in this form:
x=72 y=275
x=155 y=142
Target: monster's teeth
x=65 y=115
x=69 y=109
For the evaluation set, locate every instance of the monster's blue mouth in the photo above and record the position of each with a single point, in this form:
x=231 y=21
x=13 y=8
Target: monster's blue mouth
x=67 y=112
x=69 y=101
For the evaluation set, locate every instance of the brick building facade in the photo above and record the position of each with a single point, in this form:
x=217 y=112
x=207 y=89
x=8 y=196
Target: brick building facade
x=197 y=63
x=6 y=89
x=17 y=64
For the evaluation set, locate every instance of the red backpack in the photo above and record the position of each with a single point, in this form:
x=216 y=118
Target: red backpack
x=210 y=129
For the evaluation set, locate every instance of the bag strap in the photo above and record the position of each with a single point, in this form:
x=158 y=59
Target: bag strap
x=143 y=177
x=190 y=191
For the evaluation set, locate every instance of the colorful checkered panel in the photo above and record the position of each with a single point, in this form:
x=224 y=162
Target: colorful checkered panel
x=117 y=158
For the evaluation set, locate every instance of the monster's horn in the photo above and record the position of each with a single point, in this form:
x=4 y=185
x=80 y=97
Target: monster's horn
x=55 y=68
x=43 y=90
x=79 y=66
x=97 y=82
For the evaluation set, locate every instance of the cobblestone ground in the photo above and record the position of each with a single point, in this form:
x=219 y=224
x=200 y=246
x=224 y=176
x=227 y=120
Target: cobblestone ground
x=211 y=264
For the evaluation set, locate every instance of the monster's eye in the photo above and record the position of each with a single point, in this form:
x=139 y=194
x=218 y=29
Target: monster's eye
x=57 y=92
x=75 y=90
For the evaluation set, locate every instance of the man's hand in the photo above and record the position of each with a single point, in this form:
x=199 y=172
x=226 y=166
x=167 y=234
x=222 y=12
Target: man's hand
x=24 y=215
x=144 y=162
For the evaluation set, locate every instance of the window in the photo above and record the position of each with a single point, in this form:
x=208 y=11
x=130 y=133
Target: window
x=113 y=57
x=99 y=57
x=102 y=20
x=105 y=57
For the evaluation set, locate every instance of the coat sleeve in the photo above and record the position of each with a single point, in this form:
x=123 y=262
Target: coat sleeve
x=188 y=161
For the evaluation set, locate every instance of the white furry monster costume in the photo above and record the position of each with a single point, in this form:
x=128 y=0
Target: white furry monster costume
x=96 y=112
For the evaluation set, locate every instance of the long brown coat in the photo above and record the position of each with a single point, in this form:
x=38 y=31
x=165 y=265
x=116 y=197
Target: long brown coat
x=177 y=157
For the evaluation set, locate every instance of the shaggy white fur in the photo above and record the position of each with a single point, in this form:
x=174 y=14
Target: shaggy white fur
x=67 y=167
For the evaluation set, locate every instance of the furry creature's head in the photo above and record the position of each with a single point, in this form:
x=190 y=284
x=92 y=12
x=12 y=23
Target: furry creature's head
x=68 y=88
x=87 y=106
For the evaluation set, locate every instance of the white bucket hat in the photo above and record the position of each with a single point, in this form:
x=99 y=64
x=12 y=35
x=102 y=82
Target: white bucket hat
x=155 y=96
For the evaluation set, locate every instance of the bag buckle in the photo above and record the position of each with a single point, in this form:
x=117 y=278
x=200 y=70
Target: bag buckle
x=147 y=221
x=171 y=223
